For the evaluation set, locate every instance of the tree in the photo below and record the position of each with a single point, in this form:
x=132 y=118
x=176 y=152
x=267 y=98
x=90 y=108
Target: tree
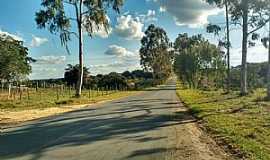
x=72 y=72
x=198 y=63
x=216 y=29
x=14 y=60
x=154 y=52
x=127 y=74
x=249 y=14
x=140 y=74
x=88 y=16
x=113 y=80
x=266 y=44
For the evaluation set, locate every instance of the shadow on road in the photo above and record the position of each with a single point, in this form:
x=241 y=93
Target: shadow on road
x=89 y=126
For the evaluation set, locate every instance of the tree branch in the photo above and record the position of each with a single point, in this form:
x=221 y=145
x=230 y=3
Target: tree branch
x=258 y=28
x=74 y=33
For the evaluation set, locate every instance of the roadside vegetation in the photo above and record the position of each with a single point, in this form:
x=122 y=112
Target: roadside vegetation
x=241 y=124
x=41 y=94
x=47 y=98
x=232 y=103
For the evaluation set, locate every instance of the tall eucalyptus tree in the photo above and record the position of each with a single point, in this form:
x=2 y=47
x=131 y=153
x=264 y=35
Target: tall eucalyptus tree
x=211 y=28
x=266 y=43
x=154 y=52
x=249 y=15
x=87 y=15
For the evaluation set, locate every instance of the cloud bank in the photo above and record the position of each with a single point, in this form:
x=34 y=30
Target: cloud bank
x=192 y=13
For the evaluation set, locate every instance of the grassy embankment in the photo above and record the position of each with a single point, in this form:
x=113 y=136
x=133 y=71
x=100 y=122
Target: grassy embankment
x=242 y=123
x=46 y=98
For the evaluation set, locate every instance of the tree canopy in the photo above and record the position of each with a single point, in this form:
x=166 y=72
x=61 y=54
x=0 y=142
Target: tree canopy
x=72 y=72
x=14 y=60
x=198 y=63
x=154 y=52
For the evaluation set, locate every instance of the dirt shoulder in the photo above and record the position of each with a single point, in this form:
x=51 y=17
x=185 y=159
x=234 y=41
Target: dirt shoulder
x=195 y=144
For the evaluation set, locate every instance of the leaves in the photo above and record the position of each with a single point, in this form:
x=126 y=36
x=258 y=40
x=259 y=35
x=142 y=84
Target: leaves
x=72 y=72
x=14 y=60
x=198 y=60
x=154 y=52
x=53 y=16
x=211 y=28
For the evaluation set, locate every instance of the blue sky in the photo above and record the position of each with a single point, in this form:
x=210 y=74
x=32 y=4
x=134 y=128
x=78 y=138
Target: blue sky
x=118 y=50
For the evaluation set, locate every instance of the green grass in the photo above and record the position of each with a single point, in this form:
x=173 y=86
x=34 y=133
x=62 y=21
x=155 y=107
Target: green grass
x=242 y=123
x=46 y=98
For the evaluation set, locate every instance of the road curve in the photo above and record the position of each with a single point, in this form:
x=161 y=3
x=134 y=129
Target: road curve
x=151 y=126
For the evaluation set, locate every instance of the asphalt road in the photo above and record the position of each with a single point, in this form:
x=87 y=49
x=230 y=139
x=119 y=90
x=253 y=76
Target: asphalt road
x=150 y=126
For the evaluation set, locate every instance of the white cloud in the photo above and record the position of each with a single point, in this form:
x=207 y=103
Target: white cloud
x=129 y=27
x=150 y=16
x=255 y=55
x=51 y=60
x=115 y=50
x=119 y=65
x=48 y=67
x=46 y=72
x=7 y=34
x=121 y=59
x=192 y=13
x=38 y=41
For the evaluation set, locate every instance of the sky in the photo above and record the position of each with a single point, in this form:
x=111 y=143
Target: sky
x=118 y=49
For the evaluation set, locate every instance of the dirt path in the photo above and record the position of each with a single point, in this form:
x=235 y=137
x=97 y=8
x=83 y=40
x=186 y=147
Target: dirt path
x=150 y=126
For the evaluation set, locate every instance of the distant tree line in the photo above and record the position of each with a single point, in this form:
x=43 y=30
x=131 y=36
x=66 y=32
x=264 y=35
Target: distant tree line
x=112 y=80
x=131 y=80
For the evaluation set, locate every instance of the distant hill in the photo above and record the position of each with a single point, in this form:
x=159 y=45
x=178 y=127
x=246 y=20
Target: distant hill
x=257 y=74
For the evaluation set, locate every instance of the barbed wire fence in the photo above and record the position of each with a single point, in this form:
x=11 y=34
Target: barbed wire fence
x=53 y=92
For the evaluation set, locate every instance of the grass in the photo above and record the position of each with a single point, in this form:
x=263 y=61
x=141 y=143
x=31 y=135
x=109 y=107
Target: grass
x=242 y=123
x=46 y=98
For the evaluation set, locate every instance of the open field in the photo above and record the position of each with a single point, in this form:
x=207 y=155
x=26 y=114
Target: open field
x=240 y=122
x=46 y=98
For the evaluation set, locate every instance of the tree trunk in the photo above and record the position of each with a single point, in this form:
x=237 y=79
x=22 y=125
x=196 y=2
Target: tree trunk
x=228 y=47
x=244 y=90
x=80 y=78
x=268 y=73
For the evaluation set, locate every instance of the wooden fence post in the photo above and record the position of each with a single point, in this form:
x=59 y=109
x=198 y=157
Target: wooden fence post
x=20 y=94
x=69 y=91
x=9 y=90
x=28 y=94
x=57 y=96
x=37 y=86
